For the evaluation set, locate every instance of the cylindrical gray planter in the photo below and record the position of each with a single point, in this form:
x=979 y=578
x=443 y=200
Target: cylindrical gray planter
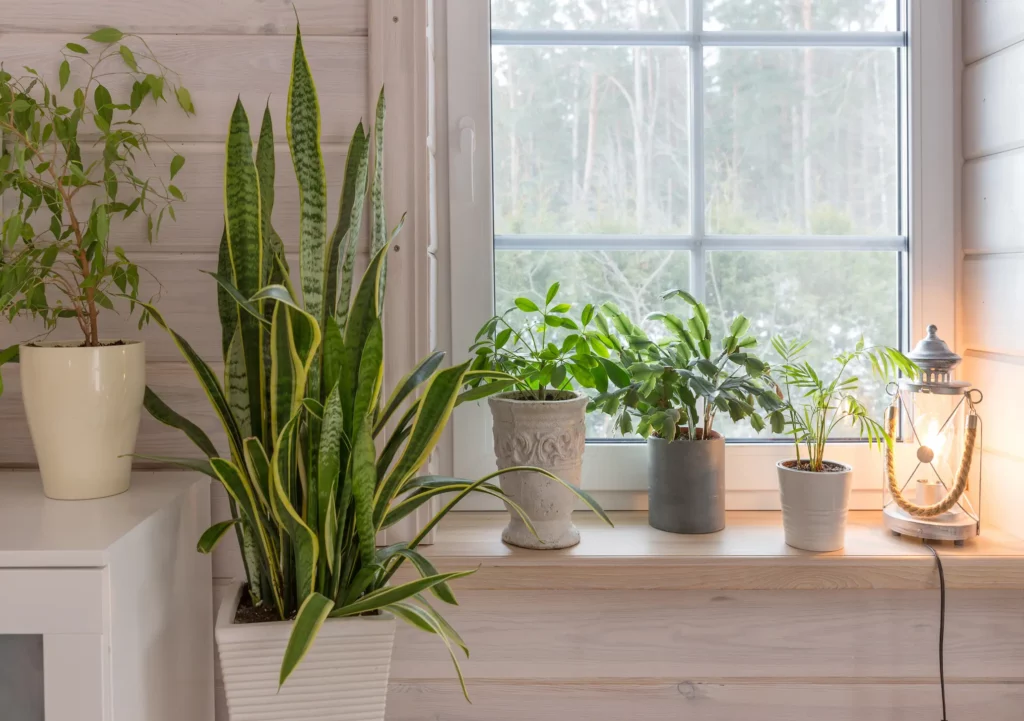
x=686 y=485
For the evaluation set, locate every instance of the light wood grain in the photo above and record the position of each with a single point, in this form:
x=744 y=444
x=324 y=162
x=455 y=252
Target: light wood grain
x=990 y=26
x=194 y=17
x=218 y=69
x=993 y=103
x=993 y=215
x=697 y=699
x=1003 y=499
x=725 y=634
x=993 y=299
x=1001 y=379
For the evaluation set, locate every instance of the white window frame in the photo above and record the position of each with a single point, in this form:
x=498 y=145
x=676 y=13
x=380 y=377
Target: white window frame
x=616 y=472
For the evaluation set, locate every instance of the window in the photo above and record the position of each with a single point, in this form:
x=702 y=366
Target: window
x=753 y=152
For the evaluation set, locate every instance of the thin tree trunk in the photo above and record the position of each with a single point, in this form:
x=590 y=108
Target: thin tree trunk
x=588 y=161
x=808 y=171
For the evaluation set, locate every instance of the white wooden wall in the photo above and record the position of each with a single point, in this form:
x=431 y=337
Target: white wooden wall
x=991 y=337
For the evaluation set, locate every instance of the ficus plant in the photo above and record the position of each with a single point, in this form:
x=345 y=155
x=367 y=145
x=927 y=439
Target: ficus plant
x=545 y=349
x=68 y=167
x=318 y=460
x=817 y=404
x=678 y=385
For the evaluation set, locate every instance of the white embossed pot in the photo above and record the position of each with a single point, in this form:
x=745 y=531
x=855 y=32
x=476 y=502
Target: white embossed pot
x=83 y=406
x=815 y=505
x=548 y=434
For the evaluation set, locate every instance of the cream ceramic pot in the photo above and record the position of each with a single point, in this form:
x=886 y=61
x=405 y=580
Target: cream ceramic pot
x=83 y=406
x=815 y=506
x=544 y=434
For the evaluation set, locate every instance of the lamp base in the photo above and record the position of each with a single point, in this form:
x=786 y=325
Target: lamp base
x=955 y=526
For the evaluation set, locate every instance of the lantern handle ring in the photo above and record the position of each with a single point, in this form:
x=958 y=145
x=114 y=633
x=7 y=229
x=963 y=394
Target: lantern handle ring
x=892 y=388
x=972 y=399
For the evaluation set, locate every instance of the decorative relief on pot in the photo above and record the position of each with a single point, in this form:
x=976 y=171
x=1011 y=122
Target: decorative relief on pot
x=548 y=449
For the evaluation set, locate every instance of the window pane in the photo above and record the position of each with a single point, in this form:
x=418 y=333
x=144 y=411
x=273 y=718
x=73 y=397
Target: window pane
x=801 y=141
x=21 y=677
x=800 y=15
x=828 y=298
x=633 y=280
x=591 y=140
x=666 y=15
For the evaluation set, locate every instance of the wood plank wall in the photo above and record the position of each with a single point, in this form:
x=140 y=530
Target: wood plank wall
x=992 y=271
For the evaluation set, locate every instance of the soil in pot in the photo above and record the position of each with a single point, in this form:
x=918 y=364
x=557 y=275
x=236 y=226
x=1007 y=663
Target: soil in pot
x=72 y=344
x=549 y=395
x=249 y=613
x=826 y=466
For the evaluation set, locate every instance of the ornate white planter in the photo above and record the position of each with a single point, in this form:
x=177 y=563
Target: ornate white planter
x=814 y=506
x=549 y=435
x=83 y=406
x=344 y=676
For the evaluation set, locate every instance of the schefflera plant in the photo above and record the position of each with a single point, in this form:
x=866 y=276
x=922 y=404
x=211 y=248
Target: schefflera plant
x=318 y=461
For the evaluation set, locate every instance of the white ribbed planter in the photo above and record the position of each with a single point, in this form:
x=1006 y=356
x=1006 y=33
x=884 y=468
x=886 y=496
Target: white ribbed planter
x=83 y=406
x=815 y=506
x=344 y=677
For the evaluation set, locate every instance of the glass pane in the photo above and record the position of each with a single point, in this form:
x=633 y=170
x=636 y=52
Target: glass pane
x=21 y=677
x=801 y=141
x=828 y=298
x=820 y=15
x=665 y=15
x=633 y=280
x=591 y=140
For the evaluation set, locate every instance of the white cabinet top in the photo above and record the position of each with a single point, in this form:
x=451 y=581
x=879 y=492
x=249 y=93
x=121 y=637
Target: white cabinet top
x=38 y=532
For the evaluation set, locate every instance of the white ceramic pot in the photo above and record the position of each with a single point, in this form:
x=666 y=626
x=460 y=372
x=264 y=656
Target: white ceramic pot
x=344 y=676
x=549 y=435
x=83 y=406
x=814 y=506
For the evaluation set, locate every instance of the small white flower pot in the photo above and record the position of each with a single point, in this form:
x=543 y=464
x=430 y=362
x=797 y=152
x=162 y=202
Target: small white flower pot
x=815 y=506
x=83 y=406
x=344 y=676
x=549 y=435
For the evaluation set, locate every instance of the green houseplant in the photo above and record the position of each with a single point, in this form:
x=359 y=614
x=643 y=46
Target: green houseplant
x=69 y=167
x=678 y=385
x=546 y=353
x=815 y=491
x=318 y=460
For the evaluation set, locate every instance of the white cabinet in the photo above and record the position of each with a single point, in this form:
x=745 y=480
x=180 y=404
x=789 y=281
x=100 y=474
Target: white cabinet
x=105 y=605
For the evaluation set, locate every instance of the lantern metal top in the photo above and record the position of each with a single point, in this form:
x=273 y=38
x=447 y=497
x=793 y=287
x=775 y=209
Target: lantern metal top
x=936 y=362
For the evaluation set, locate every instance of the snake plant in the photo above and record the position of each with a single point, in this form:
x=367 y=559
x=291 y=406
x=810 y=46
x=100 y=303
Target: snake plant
x=318 y=461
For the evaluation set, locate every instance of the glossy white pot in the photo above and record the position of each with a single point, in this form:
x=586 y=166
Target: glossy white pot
x=549 y=435
x=83 y=406
x=815 y=506
x=344 y=676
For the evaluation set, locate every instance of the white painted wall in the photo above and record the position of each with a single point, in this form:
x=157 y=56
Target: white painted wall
x=992 y=255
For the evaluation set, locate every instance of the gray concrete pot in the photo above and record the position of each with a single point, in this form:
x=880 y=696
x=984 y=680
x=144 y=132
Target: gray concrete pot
x=686 y=485
x=546 y=434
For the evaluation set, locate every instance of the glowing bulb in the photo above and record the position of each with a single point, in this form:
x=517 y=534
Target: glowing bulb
x=933 y=442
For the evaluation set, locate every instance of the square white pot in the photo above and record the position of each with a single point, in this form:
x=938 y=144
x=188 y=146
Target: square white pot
x=344 y=677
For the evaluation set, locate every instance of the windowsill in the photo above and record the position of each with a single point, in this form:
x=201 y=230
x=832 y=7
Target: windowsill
x=750 y=554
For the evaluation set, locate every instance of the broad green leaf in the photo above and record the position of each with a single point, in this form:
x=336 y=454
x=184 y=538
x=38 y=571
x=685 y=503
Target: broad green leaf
x=245 y=245
x=526 y=305
x=129 y=57
x=163 y=413
x=177 y=163
x=76 y=48
x=212 y=535
x=552 y=292
x=105 y=35
x=65 y=73
x=183 y=96
x=308 y=621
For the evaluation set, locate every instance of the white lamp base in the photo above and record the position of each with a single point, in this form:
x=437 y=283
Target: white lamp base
x=955 y=525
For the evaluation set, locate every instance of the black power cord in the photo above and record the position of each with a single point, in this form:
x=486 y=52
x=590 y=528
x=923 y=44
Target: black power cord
x=942 y=627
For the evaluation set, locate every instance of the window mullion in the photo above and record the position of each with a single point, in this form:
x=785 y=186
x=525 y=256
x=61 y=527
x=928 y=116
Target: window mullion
x=697 y=204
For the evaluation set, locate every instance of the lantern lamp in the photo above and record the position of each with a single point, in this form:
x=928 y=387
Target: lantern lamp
x=929 y=471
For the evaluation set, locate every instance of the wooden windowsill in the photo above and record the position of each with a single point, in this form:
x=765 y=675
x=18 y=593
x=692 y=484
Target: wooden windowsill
x=750 y=554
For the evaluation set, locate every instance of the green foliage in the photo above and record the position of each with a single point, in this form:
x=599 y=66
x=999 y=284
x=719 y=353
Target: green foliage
x=677 y=385
x=822 y=403
x=317 y=464
x=544 y=347
x=57 y=258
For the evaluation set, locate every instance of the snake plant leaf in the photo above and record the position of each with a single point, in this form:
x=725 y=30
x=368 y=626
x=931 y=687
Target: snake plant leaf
x=334 y=346
x=364 y=483
x=340 y=265
x=199 y=465
x=266 y=163
x=258 y=465
x=329 y=468
x=311 y=616
x=283 y=392
x=163 y=413
x=432 y=415
x=303 y=539
x=212 y=535
x=405 y=387
x=419 y=617
x=226 y=307
x=450 y=485
x=376 y=600
x=378 y=223
x=207 y=379
x=236 y=384
x=371 y=373
x=424 y=567
x=236 y=297
x=303 y=126
x=365 y=311
x=245 y=248
x=394 y=443
x=364 y=579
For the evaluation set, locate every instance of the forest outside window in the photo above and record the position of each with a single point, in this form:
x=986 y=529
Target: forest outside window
x=752 y=152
